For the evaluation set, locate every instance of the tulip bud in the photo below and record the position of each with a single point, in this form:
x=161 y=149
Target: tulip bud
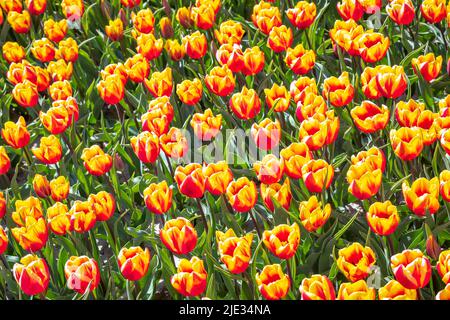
x=184 y=17
x=166 y=28
x=433 y=248
x=41 y=186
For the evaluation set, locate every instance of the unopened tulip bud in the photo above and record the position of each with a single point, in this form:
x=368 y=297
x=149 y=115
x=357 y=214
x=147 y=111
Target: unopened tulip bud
x=433 y=248
x=166 y=28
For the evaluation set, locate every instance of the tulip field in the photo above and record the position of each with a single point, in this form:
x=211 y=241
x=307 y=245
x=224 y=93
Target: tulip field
x=225 y=150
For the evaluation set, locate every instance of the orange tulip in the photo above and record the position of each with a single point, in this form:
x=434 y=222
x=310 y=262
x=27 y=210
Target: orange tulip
x=345 y=35
x=358 y=290
x=13 y=52
x=280 y=192
x=20 y=72
x=203 y=16
x=401 y=11
x=3 y=240
x=160 y=83
x=60 y=70
x=445 y=140
x=411 y=268
x=114 y=29
x=319 y=130
x=30 y=207
x=5 y=162
x=283 y=240
x=269 y=169
x=43 y=50
x=218 y=177
x=253 y=61
x=2 y=205
x=158 y=197
x=16 y=134
x=165 y=26
x=300 y=88
x=174 y=143
x=73 y=9
x=149 y=46
x=235 y=252
x=33 y=235
x=103 y=205
x=146 y=146
x=49 y=150
x=229 y=32
x=245 y=104
x=408 y=113
x=71 y=105
x=444 y=180
x=302 y=15
x=433 y=11
x=369 y=118
x=350 y=9
x=32 y=274
x=11 y=5
x=317 y=175
x=59 y=219
x=215 y=4
x=428 y=65
x=43 y=79
x=20 y=22
x=96 y=161
x=300 y=60
x=391 y=81
x=137 y=67
x=133 y=262
x=191 y=180
x=444 y=294
x=394 y=290
x=242 y=194
x=231 y=55
x=195 y=45
x=443 y=266
x=190 y=279
x=175 y=50
x=82 y=216
x=277 y=98
x=266 y=134
x=355 y=261
x=406 y=142
x=294 y=157
x=190 y=91
x=364 y=180
x=312 y=215
x=36 y=7
x=26 y=94
x=280 y=38
x=265 y=17
x=220 y=81
x=156 y=120
x=206 y=125
x=369 y=83
x=55 y=30
x=372 y=46
x=59 y=188
x=82 y=274
x=61 y=90
x=422 y=196
x=272 y=282
x=317 y=287
x=339 y=91
x=184 y=17
x=311 y=105
x=55 y=120
x=118 y=69
x=41 y=186
x=143 y=21
x=383 y=218
x=179 y=236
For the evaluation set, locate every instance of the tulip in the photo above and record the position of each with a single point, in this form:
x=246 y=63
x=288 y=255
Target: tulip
x=190 y=279
x=394 y=290
x=300 y=60
x=49 y=150
x=265 y=17
x=350 y=9
x=407 y=113
x=253 y=61
x=43 y=50
x=369 y=83
x=445 y=140
x=280 y=192
x=61 y=90
x=4 y=241
x=26 y=94
x=280 y=38
x=103 y=205
x=160 y=84
x=218 y=177
x=11 y=5
x=220 y=81
x=118 y=69
x=96 y=161
x=406 y=142
x=277 y=98
x=428 y=66
x=190 y=92
x=444 y=179
x=358 y=290
x=283 y=240
x=59 y=219
x=175 y=50
x=2 y=205
x=364 y=180
x=195 y=45
x=232 y=56
x=30 y=207
x=71 y=105
x=32 y=274
x=339 y=91
x=215 y=4
x=269 y=169
x=235 y=252
x=13 y=52
x=184 y=17
x=369 y=118
x=33 y=235
x=203 y=16
x=174 y=143
x=311 y=105
x=21 y=71
x=191 y=180
x=60 y=70
x=179 y=236
x=317 y=287
x=266 y=134
x=55 y=120
x=444 y=294
x=149 y=46
x=36 y=7
x=312 y=215
x=411 y=268
x=391 y=81
x=302 y=15
x=433 y=11
x=374 y=156
x=114 y=29
x=72 y=8
x=245 y=104
x=372 y=46
x=158 y=197
x=432 y=247
x=83 y=217
x=317 y=175
x=55 y=30
x=229 y=32
x=165 y=25
x=355 y=261
x=383 y=218
x=137 y=67
x=20 y=22
x=294 y=157
x=133 y=262
x=82 y=274
x=43 y=79
x=443 y=266
x=156 y=120
x=205 y=125
x=272 y=282
x=401 y=11
x=242 y=194
x=146 y=146
x=5 y=162
x=59 y=188
x=345 y=35
x=422 y=196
